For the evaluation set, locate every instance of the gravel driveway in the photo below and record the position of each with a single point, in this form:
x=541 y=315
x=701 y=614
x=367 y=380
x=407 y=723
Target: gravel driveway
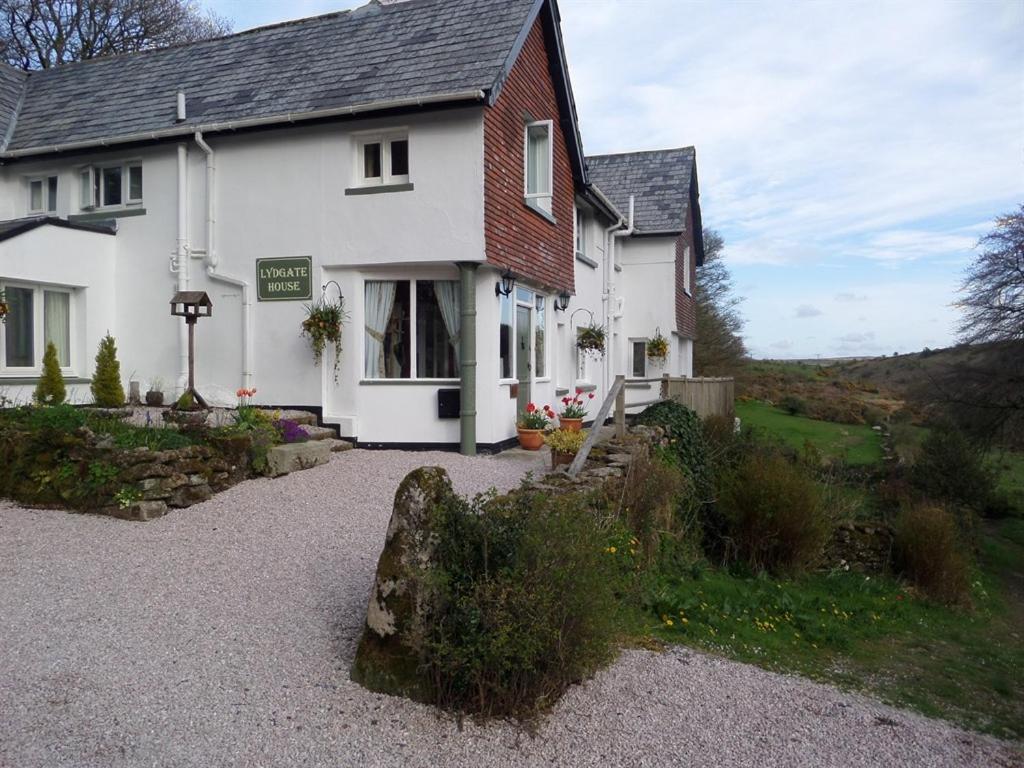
x=221 y=635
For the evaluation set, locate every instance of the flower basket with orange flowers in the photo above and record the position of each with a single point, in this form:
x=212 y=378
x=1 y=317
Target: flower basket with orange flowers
x=322 y=326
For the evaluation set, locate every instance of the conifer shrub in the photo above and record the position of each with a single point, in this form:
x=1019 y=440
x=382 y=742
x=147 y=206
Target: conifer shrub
x=950 y=469
x=928 y=552
x=50 y=389
x=107 y=390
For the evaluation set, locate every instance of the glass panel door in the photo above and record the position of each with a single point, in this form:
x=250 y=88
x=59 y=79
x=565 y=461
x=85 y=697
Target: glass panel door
x=523 y=366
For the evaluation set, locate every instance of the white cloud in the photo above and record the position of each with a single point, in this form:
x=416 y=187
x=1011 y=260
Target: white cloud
x=806 y=310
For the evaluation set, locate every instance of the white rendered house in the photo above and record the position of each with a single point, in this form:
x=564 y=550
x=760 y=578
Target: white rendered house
x=405 y=156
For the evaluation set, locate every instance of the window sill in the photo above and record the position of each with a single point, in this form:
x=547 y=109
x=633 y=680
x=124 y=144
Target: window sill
x=408 y=382
x=584 y=386
x=559 y=391
x=379 y=189
x=582 y=257
x=540 y=212
x=104 y=215
x=33 y=378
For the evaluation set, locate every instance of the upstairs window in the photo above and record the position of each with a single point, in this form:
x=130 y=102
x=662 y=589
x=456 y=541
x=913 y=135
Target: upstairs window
x=42 y=195
x=580 y=241
x=686 y=270
x=382 y=160
x=538 y=160
x=110 y=186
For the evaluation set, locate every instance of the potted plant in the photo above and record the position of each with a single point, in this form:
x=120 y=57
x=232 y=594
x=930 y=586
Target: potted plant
x=573 y=411
x=590 y=340
x=155 y=393
x=322 y=326
x=531 y=424
x=564 y=444
x=657 y=347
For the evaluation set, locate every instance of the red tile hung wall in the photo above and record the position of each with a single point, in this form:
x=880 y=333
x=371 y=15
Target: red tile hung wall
x=686 y=307
x=516 y=237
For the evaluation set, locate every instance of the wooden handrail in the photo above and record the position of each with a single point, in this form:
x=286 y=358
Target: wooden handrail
x=602 y=414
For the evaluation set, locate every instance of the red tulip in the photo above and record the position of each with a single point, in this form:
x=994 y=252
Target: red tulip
x=591 y=395
x=530 y=407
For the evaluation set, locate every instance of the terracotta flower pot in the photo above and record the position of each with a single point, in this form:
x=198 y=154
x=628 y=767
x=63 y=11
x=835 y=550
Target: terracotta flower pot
x=530 y=439
x=570 y=425
x=558 y=457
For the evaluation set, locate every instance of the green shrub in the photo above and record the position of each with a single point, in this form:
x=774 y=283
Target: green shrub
x=793 y=405
x=929 y=554
x=50 y=389
x=774 y=515
x=524 y=603
x=685 y=436
x=950 y=469
x=107 y=391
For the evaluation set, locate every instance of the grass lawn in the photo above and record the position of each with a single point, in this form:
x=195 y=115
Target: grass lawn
x=1010 y=467
x=872 y=634
x=857 y=444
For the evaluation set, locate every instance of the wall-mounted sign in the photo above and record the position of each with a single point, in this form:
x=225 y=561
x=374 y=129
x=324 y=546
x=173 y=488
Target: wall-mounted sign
x=288 y=279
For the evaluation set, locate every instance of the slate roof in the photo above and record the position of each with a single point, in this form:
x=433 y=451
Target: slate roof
x=659 y=181
x=15 y=227
x=372 y=54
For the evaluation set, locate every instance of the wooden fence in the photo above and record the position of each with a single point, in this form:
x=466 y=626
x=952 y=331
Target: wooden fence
x=705 y=396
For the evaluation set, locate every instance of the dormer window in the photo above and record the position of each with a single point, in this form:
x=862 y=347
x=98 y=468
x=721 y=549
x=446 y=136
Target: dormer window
x=42 y=195
x=110 y=186
x=538 y=161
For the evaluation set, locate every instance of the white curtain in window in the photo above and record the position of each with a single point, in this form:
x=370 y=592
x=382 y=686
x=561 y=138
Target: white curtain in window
x=447 y=292
x=380 y=299
x=57 y=324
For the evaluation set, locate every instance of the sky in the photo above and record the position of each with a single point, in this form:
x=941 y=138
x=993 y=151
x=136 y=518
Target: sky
x=850 y=153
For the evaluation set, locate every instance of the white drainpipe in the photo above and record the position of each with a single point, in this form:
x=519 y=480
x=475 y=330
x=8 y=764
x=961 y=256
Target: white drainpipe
x=181 y=265
x=609 y=266
x=212 y=261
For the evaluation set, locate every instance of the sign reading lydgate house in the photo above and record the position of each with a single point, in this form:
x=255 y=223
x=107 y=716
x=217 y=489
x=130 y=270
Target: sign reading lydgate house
x=288 y=279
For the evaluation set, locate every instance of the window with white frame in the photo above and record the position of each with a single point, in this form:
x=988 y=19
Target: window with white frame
x=37 y=315
x=382 y=159
x=538 y=165
x=581 y=246
x=581 y=360
x=42 y=195
x=110 y=186
x=540 y=351
x=412 y=329
x=686 y=269
x=639 y=362
x=505 y=345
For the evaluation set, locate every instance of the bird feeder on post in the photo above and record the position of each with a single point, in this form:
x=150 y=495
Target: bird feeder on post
x=192 y=305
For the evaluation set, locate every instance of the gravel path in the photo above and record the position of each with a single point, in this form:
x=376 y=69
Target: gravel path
x=221 y=635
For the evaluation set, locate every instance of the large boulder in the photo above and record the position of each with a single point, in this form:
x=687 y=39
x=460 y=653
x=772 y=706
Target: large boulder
x=386 y=659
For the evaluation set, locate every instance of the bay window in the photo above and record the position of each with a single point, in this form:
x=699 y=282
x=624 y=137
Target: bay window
x=37 y=316
x=538 y=166
x=412 y=329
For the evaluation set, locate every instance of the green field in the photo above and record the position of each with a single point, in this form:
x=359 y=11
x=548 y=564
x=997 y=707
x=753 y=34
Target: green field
x=857 y=444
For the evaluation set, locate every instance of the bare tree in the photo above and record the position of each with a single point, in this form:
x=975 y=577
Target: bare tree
x=39 y=34
x=993 y=289
x=719 y=349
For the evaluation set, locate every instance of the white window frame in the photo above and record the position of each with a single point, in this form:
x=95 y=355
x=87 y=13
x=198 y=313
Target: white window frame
x=579 y=231
x=542 y=201
x=413 y=332
x=39 y=330
x=686 y=271
x=91 y=198
x=632 y=357
x=515 y=301
x=541 y=304
x=44 y=197
x=385 y=139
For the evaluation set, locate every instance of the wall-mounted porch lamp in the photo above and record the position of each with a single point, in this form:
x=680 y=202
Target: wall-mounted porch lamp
x=562 y=301
x=506 y=285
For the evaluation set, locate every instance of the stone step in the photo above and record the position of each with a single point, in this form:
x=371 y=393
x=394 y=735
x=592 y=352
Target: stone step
x=318 y=433
x=337 y=446
x=299 y=417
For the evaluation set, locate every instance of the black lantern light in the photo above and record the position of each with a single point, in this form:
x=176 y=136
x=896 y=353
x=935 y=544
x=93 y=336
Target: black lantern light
x=507 y=284
x=562 y=301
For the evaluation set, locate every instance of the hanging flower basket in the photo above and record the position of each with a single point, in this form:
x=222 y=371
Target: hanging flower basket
x=4 y=308
x=322 y=326
x=657 y=347
x=590 y=340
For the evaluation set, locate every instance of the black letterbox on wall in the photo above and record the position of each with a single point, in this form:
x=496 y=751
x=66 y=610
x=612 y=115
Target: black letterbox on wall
x=449 y=403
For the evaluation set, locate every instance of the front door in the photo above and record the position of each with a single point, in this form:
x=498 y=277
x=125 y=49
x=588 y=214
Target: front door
x=523 y=362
